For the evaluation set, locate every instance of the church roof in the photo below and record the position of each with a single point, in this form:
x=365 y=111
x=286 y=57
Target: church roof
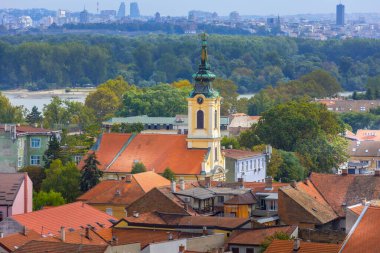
x=118 y=152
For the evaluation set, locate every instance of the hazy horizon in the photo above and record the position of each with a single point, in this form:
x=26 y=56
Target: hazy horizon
x=222 y=7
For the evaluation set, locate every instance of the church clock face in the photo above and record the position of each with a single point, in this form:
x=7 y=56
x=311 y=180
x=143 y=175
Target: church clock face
x=200 y=100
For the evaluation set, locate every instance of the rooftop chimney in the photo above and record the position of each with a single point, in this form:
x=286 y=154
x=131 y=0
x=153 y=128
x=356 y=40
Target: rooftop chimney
x=181 y=249
x=296 y=245
x=135 y=214
x=173 y=186
x=87 y=235
x=182 y=184
x=377 y=172
x=293 y=184
x=118 y=192
x=344 y=172
x=63 y=234
x=26 y=192
x=268 y=183
x=207 y=182
x=24 y=230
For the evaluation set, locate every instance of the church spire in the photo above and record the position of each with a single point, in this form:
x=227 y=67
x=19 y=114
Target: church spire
x=204 y=77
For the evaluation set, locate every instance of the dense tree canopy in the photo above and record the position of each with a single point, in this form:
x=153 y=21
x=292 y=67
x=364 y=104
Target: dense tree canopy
x=38 y=62
x=47 y=199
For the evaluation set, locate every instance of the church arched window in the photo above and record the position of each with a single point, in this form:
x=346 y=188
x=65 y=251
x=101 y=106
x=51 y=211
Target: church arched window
x=216 y=119
x=200 y=119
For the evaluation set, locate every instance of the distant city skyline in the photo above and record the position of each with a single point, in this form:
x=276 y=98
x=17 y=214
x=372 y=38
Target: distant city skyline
x=222 y=7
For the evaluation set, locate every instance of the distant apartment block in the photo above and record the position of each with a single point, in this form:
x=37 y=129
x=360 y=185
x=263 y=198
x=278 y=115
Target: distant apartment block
x=340 y=20
x=341 y=105
x=134 y=10
x=121 y=11
x=22 y=146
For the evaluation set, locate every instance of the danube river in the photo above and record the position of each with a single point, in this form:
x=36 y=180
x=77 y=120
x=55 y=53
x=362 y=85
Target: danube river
x=28 y=99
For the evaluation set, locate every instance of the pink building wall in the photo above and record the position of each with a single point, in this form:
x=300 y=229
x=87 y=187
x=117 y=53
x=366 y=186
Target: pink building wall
x=19 y=203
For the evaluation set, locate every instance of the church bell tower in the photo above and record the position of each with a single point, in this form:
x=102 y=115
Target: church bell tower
x=204 y=114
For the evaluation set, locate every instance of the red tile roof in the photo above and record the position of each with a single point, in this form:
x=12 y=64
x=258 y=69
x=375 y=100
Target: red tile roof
x=240 y=154
x=155 y=151
x=72 y=215
x=123 y=192
x=284 y=246
x=357 y=209
x=14 y=241
x=342 y=191
x=257 y=236
x=364 y=238
x=59 y=247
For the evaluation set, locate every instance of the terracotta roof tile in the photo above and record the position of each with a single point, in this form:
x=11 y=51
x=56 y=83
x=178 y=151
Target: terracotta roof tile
x=364 y=237
x=14 y=241
x=316 y=207
x=123 y=192
x=155 y=151
x=284 y=246
x=72 y=215
x=59 y=247
x=257 y=236
x=240 y=154
x=341 y=191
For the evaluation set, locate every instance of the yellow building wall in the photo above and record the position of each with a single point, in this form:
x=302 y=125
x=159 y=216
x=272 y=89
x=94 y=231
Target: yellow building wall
x=118 y=211
x=241 y=211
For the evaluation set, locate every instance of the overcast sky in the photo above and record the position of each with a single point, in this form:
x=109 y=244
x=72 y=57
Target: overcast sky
x=222 y=7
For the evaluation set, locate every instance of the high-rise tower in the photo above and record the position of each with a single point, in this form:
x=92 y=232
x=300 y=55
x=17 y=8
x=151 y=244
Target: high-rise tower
x=340 y=15
x=134 y=10
x=121 y=11
x=204 y=113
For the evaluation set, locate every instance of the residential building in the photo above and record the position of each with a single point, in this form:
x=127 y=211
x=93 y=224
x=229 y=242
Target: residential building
x=340 y=15
x=206 y=225
x=170 y=125
x=299 y=246
x=121 y=13
x=74 y=216
x=342 y=105
x=192 y=157
x=363 y=235
x=248 y=165
x=23 y=146
x=112 y=196
x=364 y=156
x=250 y=241
x=16 y=194
x=322 y=201
x=84 y=17
x=364 y=135
x=240 y=122
x=240 y=206
x=134 y=10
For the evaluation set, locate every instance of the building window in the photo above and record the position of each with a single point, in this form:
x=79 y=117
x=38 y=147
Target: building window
x=249 y=250
x=216 y=154
x=263 y=204
x=109 y=211
x=35 y=142
x=77 y=159
x=235 y=250
x=19 y=161
x=200 y=119
x=216 y=119
x=273 y=205
x=220 y=199
x=35 y=160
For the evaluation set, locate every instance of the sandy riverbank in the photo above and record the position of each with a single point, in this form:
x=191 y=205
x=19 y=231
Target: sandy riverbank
x=23 y=93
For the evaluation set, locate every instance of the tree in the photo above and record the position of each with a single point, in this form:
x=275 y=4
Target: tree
x=248 y=138
x=54 y=114
x=162 y=100
x=64 y=179
x=168 y=174
x=53 y=152
x=51 y=198
x=290 y=168
x=9 y=113
x=138 y=168
x=34 y=117
x=90 y=173
x=308 y=129
x=36 y=174
x=228 y=91
x=323 y=79
x=227 y=142
x=276 y=236
x=127 y=128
